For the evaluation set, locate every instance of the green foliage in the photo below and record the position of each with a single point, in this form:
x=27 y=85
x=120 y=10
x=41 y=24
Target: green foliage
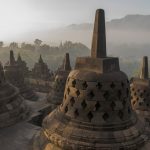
x=52 y=55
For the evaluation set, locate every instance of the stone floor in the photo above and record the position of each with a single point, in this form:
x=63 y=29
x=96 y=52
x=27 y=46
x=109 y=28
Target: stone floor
x=18 y=136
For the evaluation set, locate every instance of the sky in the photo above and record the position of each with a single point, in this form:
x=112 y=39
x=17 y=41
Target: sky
x=22 y=16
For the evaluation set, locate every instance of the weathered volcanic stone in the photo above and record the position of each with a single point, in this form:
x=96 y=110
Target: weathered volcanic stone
x=22 y=64
x=140 y=92
x=41 y=71
x=96 y=112
x=12 y=105
x=55 y=97
x=15 y=75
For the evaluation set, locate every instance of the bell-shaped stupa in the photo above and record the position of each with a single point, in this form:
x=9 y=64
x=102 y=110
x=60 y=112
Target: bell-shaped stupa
x=96 y=112
x=55 y=96
x=140 y=91
x=12 y=106
x=15 y=75
x=41 y=71
x=22 y=64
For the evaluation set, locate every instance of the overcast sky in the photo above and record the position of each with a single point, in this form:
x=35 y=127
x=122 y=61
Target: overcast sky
x=20 y=16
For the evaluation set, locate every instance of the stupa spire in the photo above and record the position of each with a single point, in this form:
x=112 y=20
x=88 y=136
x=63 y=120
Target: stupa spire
x=40 y=59
x=12 y=58
x=19 y=57
x=67 y=66
x=144 y=69
x=99 y=35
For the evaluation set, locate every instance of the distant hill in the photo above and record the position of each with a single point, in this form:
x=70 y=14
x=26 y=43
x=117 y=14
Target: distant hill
x=129 y=22
x=132 y=22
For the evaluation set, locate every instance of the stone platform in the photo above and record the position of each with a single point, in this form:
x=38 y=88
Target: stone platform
x=18 y=136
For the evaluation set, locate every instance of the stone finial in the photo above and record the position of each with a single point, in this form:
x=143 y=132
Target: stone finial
x=99 y=35
x=40 y=59
x=67 y=65
x=19 y=59
x=2 y=76
x=144 y=70
x=12 y=58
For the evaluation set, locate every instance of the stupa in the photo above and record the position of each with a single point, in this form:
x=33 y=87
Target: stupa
x=14 y=74
x=41 y=71
x=55 y=96
x=140 y=91
x=96 y=112
x=22 y=64
x=12 y=106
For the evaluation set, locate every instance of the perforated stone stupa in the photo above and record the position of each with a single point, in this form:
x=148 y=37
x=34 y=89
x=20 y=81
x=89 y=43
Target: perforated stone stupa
x=55 y=97
x=41 y=71
x=15 y=75
x=12 y=105
x=96 y=111
x=140 y=91
x=22 y=64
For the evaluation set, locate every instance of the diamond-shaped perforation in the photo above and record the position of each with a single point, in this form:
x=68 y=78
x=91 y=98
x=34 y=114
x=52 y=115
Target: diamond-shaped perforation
x=91 y=94
x=124 y=102
x=128 y=81
x=119 y=93
x=65 y=96
x=77 y=92
x=113 y=105
x=129 y=110
x=141 y=95
x=68 y=90
x=120 y=114
x=105 y=116
x=68 y=79
x=83 y=104
x=122 y=84
x=133 y=103
x=84 y=85
x=76 y=113
x=106 y=95
x=140 y=103
x=112 y=85
x=74 y=83
x=127 y=91
x=97 y=106
x=66 y=109
x=90 y=116
x=99 y=85
x=72 y=101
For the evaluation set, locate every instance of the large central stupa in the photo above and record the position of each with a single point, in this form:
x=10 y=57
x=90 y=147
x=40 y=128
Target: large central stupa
x=96 y=111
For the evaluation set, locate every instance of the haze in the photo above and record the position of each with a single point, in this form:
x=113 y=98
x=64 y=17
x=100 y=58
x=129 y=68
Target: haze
x=21 y=18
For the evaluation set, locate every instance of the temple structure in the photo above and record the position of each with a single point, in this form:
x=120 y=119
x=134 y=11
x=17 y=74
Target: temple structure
x=15 y=75
x=96 y=112
x=22 y=64
x=12 y=105
x=140 y=91
x=55 y=96
x=41 y=71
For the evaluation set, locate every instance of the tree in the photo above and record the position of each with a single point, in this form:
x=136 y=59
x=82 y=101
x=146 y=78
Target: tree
x=27 y=46
x=37 y=42
x=45 y=48
x=1 y=44
x=13 y=45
